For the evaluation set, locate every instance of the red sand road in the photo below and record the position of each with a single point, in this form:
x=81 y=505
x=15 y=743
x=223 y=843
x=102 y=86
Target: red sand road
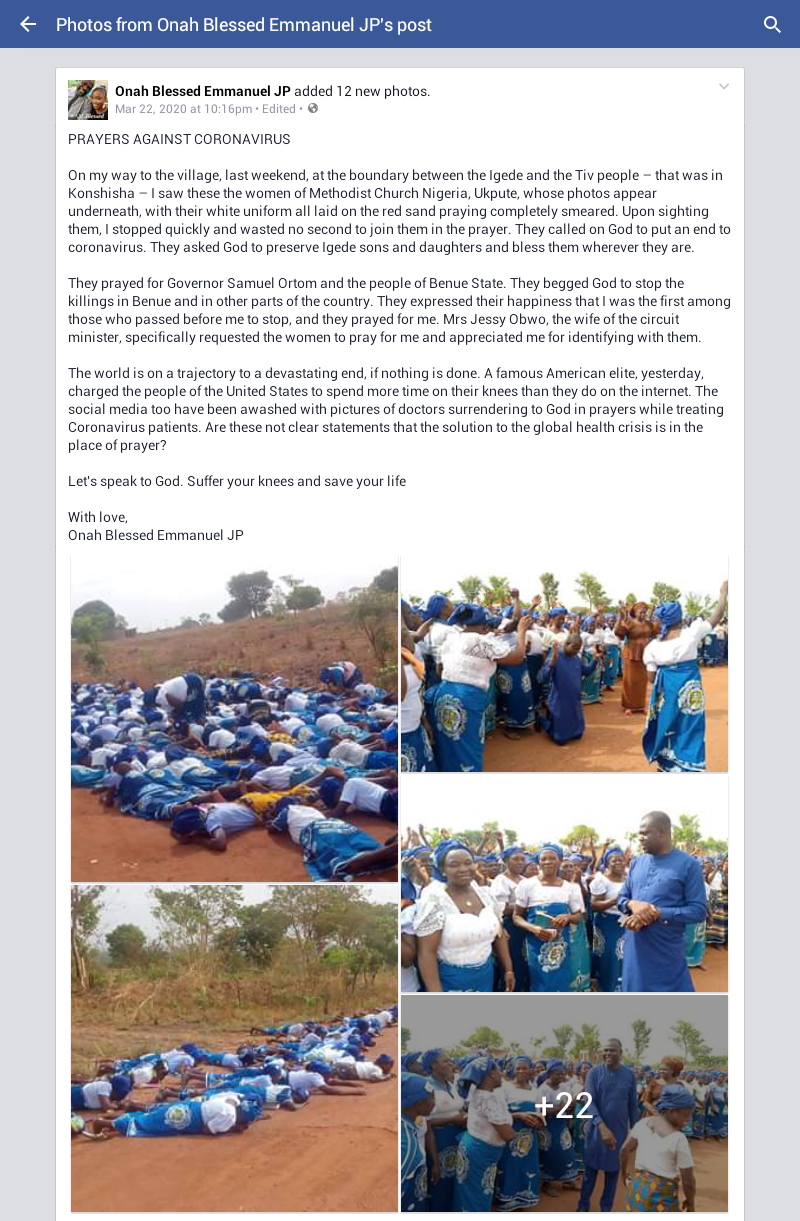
x=612 y=741
x=111 y=847
x=713 y=975
x=711 y=1173
x=336 y=1155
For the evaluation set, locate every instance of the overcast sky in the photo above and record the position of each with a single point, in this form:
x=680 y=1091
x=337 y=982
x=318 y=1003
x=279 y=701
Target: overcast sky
x=132 y=904
x=544 y=805
x=514 y=552
x=445 y=1021
x=173 y=585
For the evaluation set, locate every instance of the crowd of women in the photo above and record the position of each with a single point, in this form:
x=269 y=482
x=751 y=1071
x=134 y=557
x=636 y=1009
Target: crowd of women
x=191 y=1090
x=496 y=1131
x=518 y=919
x=468 y=668
x=215 y=756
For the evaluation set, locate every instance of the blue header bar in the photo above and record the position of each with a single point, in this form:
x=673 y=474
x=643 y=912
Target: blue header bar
x=401 y=23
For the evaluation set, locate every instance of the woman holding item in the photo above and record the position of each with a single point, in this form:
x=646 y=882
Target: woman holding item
x=547 y=908
x=490 y=1127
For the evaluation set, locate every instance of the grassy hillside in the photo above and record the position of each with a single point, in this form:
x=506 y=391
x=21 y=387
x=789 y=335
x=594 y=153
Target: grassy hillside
x=295 y=646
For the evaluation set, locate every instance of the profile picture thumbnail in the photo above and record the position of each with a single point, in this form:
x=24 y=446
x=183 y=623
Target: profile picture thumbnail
x=88 y=99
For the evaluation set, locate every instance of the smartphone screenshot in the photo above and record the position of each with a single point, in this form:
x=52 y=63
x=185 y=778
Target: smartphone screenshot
x=400 y=436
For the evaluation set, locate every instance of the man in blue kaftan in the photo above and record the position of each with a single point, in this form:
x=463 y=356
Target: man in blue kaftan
x=614 y=1110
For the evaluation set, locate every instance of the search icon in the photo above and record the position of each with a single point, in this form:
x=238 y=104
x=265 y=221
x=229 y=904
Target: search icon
x=773 y=26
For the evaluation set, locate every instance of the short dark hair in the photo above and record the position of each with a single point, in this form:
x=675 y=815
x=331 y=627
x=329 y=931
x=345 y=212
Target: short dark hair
x=660 y=820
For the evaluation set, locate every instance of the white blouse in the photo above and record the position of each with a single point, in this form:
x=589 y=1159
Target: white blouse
x=503 y=889
x=466 y=939
x=445 y=1104
x=665 y=1156
x=487 y=1108
x=411 y=707
x=435 y=638
x=532 y=891
x=470 y=658
x=603 y=888
x=682 y=647
x=516 y=1093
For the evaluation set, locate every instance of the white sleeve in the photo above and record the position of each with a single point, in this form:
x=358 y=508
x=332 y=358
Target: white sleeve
x=699 y=629
x=648 y=659
x=430 y=915
x=575 y=899
x=598 y=885
x=684 y=1153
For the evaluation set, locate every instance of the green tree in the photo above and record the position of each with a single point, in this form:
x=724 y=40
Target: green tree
x=126 y=945
x=484 y=1036
x=689 y=1039
x=510 y=836
x=204 y=619
x=581 y=833
x=405 y=1039
x=96 y=619
x=386 y=581
x=562 y=1036
x=630 y=599
x=587 y=1041
x=496 y=590
x=192 y=917
x=549 y=589
x=687 y=830
x=232 y=611
x=304 y=597
x=591 y=590
x=375 y=613
x=665 y=593
x=250 y=589
x=641 y=1038
x=254 y=937
x=470 y=587
x=693 y=605
x=86 y=909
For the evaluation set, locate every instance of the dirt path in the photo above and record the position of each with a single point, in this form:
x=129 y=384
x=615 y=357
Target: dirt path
x=713 y=975
x=111 y=847
x=711 y=1172
x=612 y=742
x=336 y=1155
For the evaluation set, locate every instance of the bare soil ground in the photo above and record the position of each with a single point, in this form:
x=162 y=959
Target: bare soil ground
x=711 y=1173
x=612 y=741
x=336 y=1155
x=296 y=647
x=110 y=847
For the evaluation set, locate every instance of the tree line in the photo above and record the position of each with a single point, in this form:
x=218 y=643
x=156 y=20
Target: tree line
x=213 y=930
x=496 y=590
x=584 y=1043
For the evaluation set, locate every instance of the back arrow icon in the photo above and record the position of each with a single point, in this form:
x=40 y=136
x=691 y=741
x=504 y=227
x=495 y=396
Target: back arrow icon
x=26 y=24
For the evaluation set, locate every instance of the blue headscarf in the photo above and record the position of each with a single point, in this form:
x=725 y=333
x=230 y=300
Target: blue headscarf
x=384 y=1059
x=436 y=604
x=614 y=850
x=427 y=1058
x=557 y=612
x=675 y=1098
x=668 y=614
x=552 y=1065
x=522 y=1060
x=469 y=614
x=507 y=852
x=559 y=851
x=583 y=1064
x=474 y=1073
x=441 y=851
x=413 y=1089
x=329 y=791
x=411 y=1057
x=120 y=1087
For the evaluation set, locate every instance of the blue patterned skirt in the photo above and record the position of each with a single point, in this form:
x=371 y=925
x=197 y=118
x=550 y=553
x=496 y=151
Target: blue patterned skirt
x=458 y=727
x=467 y=979
x=416 y=753
x=517 y=1184
x=476 y=1170
x=515 y=706
x=675 y=731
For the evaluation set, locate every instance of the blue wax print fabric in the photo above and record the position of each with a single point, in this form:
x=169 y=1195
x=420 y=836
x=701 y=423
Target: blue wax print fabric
x=675 y=732
x=611 y=664
x=476 y=1170
x=479 y=978
x=518 y=1177
x=514 y=696
x=171 y=1119
x=328 y=843
x=556 y=1152
x=549 y=962
x=458 y=727
x=413 y=1169
x=695 y=940
x=608 y=947
x=416 y=753
x=591 y=683
x=655 y=957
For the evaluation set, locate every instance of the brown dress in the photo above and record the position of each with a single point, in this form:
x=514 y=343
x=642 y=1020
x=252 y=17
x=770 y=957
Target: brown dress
x=637 y=636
